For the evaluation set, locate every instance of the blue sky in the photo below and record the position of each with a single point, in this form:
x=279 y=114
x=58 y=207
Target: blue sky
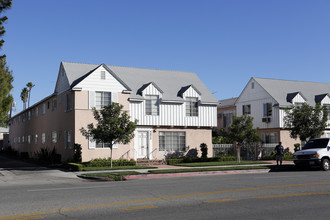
x=226 y=42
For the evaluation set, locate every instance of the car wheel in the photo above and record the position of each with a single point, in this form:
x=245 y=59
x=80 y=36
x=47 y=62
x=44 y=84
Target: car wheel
x=325 y=164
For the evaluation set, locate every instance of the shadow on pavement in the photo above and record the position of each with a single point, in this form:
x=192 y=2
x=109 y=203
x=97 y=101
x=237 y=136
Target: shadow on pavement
x=7 y=163
x=291 y=168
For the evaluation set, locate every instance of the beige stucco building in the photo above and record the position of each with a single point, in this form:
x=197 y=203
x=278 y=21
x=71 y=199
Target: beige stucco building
x=174 y=109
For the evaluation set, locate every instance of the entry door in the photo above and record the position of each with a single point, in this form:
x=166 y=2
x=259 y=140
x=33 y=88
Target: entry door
x=143 y=144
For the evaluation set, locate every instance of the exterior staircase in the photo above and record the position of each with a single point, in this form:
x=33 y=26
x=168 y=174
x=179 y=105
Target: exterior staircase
x=147 y=162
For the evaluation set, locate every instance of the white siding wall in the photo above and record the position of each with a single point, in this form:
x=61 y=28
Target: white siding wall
x=93 y=82
x=151 y=90
x=191 y=93
x=326 y=101
x=174 y=115
x=298 y=99
x=62 y=82
x=257 y=97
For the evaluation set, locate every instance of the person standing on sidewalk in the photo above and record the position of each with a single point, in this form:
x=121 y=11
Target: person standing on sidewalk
x=279 y=149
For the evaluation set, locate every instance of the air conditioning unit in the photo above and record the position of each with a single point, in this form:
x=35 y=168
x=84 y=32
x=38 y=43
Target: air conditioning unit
x=266 y=119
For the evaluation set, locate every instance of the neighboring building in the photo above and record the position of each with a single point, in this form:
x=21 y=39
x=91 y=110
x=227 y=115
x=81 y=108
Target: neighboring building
x=226 y=111
x=174 y=109
x=265 y=100
x=3 y=137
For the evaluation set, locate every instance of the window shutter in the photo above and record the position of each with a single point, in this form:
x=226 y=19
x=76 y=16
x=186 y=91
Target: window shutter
x=91 y=144
x=114 y=97
x=91 y=99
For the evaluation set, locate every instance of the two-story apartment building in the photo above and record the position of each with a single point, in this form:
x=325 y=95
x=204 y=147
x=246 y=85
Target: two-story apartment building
x=174 y=109
x=266 y=99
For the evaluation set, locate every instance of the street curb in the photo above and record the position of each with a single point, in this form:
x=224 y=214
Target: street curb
x=130 y=177
x=96 y=178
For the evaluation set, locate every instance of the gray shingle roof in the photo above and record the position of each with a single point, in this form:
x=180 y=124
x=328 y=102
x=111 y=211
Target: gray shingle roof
x=280 y=89
x=170 y=82
x=227 y=102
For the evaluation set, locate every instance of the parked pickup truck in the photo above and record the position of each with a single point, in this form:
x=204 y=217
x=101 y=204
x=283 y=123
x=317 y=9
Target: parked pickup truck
x=315 y=152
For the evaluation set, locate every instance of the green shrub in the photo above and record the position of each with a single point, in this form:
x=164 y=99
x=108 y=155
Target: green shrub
x=203 y=147
x=107 y=163
x=74 y=166
x=288 y=156
x=77 y=153
x=174 y=161
x=48 y=157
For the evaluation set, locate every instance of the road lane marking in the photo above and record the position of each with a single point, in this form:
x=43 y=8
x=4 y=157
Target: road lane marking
x=155 y=199
x=139 y=207
x=31 y=217
x=221 y=200
x=292 y=195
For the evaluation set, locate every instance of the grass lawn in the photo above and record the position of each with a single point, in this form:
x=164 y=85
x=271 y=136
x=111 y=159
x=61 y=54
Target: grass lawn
x=116 y=168
x=222 y=163
x=207 y=169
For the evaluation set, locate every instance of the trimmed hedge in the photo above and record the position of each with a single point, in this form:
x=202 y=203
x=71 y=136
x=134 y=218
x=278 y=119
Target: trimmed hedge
x=74 y=166
x=107 y=163
x=197 y=160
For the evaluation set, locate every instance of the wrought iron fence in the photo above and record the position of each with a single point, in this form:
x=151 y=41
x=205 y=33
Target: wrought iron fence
x=252 y=151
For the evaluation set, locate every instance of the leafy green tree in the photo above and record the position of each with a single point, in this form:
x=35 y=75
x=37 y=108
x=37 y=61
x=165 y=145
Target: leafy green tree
x=113 y=126
x=6 y=77
x=6 y=99
x=4 y=4
x=306 y=121
x=24 y=96
x=30 y=85
x=242 y=132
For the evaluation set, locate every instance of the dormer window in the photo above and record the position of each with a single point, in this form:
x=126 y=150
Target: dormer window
x=191 y=106
x=152 y=105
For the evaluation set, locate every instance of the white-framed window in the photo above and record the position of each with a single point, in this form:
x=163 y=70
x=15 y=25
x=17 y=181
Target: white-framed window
x=268 y=109
x=29 y=139
x=246 y=109
x=36 y=139
x=19 y=140
x=103 y=75
x=43 y=138
x=269 y=138
x=191 y=106
x=36 y=111
x=68 y=102
x=54 y=137
x=54 y=104
x=102 y=145
x=102 y=99
x=43 y=110
x=68 y=140
x=23 y=139
x=29 y=115
x=252 y=85
x=152 y=105
x=172 y=141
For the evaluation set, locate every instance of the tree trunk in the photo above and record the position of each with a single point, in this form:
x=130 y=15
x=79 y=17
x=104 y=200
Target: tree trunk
x=238 y=150
x=111 y=155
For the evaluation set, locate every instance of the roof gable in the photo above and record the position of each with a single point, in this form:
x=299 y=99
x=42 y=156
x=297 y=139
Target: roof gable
x=141 y=90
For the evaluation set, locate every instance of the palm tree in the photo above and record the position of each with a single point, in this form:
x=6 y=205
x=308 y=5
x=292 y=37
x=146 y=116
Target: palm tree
x=24 y=96
x=30 y=85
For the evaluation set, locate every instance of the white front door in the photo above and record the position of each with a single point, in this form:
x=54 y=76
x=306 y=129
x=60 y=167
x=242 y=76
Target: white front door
x=142 y=144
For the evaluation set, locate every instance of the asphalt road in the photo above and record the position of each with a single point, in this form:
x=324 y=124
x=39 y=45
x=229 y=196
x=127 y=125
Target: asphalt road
x=274 y=195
